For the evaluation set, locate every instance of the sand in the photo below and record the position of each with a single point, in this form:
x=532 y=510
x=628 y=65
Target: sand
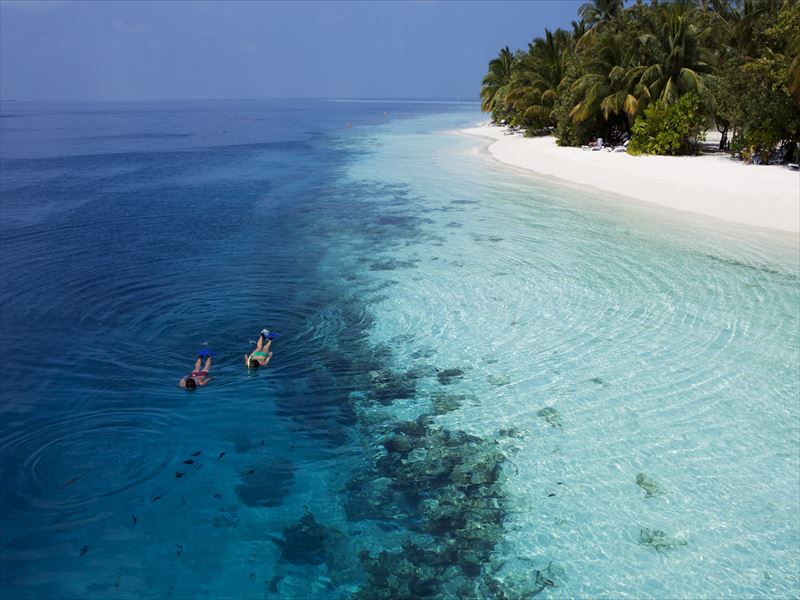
x=710 y=185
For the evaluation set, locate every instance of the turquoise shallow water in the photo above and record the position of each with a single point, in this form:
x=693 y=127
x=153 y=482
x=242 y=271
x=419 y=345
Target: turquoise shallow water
x=475 y=370
x=618 y=340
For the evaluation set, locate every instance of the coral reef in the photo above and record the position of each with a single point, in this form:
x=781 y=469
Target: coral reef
x=551 y=415
x=649 y=485
x=659 y=540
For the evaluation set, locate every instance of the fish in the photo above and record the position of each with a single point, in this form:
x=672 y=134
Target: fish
x=135 y=520
x=221 y=454
x=198 y=467
x=84 y=550
x=178 y=474
x=188 y=462
x=197 y=453
x=250 y=472
x=71 y=481
x=217 y=495
x=550 y=495
x=180 y=548
x=154 y=499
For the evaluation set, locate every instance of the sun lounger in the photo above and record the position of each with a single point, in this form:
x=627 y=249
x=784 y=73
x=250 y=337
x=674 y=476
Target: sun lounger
x=598 y=145
x=794 y=166
x=621 y=148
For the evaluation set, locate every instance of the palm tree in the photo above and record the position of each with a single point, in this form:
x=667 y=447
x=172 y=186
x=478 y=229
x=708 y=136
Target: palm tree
x=495 y=84
x=793 y=53
x=737 y=18
x=537 y=76
x=600 y=11
x=677 y=59
x=611 y=82
x=579 y=29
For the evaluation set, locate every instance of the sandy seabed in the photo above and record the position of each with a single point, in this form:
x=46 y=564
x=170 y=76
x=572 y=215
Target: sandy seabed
x=710 y=185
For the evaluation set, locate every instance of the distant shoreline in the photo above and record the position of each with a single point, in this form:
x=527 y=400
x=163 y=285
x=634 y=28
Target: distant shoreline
x=713 y=186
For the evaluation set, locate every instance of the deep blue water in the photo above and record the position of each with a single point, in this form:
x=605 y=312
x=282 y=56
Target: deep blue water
x=132 y=235
x=486 y=385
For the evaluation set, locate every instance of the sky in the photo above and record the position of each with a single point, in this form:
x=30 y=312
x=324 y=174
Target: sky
x=164 y=50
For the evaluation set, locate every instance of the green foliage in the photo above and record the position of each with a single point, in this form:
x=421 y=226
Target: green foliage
x=752 y=91
x=669 y=128
x=600 y=11
x=677 y=59
x=494 y=87
x=732 y=62
x=785 y=33
x=536 y=82
x=568 y=131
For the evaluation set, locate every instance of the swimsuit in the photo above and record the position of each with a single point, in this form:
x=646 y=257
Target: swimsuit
x=199 y=374
x=259 y=356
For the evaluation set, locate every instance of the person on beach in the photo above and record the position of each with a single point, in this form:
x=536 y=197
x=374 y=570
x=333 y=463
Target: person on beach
x=261 y=355
x=198 y=376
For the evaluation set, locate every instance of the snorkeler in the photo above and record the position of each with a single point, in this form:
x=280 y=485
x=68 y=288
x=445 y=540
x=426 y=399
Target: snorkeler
x=261 y=355
x=198 y=376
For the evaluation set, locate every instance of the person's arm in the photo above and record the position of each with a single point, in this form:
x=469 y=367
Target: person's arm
x=182 y=382
x=246 y=360
x=204 y=380
x=269 y=356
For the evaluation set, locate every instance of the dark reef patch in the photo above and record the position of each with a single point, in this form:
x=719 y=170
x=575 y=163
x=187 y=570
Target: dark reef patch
x=551 y=415
x=267 y=485
x=449 y=484
x=447 y=376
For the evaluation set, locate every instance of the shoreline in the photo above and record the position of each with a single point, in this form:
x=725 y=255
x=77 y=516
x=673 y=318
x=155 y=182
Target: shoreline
x=765 y=197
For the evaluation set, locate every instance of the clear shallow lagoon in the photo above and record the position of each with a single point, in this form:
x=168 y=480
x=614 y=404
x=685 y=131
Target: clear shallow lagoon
x=473 y=360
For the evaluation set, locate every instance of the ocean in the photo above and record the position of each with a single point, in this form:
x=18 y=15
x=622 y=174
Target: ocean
x=485 y=384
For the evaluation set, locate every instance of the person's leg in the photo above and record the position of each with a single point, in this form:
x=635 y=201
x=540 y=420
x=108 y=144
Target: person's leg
x=259 y=343
x=197 y=363
x=208 y=364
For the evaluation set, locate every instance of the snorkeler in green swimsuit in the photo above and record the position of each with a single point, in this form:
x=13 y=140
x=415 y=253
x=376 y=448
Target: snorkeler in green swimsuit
x=261 y=355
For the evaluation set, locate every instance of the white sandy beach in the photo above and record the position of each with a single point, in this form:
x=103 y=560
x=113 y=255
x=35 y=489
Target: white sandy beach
x=715 y=186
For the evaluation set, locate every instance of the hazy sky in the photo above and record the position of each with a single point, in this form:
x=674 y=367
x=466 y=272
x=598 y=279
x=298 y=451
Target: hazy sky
x=64 y=50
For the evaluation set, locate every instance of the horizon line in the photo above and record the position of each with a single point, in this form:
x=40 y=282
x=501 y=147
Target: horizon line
x=447 y=99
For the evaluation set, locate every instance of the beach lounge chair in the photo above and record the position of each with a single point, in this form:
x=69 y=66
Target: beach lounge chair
x=621 y=148
x=794 y=166
x=598 y=145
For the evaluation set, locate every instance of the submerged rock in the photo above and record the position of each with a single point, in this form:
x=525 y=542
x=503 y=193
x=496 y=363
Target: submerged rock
x=443 y=403
x=308 y=542
x=551 y=415
x=659 y=540
x=511 y=432
x=649 y=485
x=388 y=386
x=267 y=485
x=447 y=376
x=498 y=380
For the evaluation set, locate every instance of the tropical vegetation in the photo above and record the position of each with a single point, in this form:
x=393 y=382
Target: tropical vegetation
x=660 y=73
